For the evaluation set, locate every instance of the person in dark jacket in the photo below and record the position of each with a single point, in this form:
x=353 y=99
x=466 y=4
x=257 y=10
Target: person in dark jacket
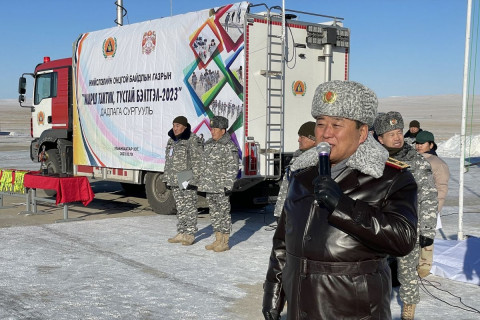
x=413 y=130
x=306 y=140
x=330 y=248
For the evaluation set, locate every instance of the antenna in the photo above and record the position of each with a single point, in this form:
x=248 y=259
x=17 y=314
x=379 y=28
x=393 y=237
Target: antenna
x=121 y=12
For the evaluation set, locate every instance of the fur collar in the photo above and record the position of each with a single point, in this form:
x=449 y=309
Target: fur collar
x=185 y=135
x=369 y=158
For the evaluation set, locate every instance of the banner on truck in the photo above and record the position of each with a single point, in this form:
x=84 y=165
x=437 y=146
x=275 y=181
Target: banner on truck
x=130 y=83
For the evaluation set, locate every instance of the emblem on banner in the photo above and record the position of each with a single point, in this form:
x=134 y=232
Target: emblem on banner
x=109 y=47
x=299 y=88
x=149 y=42
x=40 y=118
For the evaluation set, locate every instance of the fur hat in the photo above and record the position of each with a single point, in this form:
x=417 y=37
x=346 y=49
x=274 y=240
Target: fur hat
x=307 y=130
x=414 y=123
x=219 y=122
x=345 y=99
x=181 y=120
x=389 y=121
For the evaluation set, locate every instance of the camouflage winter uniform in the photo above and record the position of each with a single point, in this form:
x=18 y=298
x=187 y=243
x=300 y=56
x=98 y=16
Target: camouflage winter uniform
x=427 y=220
x=181 y=154
x=219 y=172
x=282 y=193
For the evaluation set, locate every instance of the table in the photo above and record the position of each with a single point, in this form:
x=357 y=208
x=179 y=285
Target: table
x=69 y=188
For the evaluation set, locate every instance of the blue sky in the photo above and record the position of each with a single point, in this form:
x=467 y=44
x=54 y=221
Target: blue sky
x=398 y=47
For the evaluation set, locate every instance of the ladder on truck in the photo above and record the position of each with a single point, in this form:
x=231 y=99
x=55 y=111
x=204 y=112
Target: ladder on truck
x=275 y=88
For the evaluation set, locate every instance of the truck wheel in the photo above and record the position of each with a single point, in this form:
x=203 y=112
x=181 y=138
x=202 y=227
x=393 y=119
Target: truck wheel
x=159 y=197
x=53 y=166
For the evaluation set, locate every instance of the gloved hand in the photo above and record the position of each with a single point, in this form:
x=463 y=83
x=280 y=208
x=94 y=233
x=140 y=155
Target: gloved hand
x=273 y=300
x=327 y=192
x=227 y=192
x=425 y=262
x=425 y=242
x=271 y=314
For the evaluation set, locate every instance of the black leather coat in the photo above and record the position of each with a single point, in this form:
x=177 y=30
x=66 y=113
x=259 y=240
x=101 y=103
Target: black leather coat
x=333 y=266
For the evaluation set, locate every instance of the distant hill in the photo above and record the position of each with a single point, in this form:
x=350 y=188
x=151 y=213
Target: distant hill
x=14 y=118
x=440 y=114
x=8 y=102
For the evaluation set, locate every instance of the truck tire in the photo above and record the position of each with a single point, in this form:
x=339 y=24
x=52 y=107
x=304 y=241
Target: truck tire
x=54 y=166
x=159 y=197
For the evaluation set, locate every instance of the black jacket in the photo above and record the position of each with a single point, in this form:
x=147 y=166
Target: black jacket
x=332 y=266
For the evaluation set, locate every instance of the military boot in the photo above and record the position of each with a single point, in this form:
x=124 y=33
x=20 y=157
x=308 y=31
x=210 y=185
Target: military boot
x=223 y=245
x=218 y=239
x=177 y=239
x=408 y=311
x=188 y=239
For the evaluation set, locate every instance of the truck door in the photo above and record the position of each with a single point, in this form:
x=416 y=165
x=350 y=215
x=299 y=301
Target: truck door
x=45 y=91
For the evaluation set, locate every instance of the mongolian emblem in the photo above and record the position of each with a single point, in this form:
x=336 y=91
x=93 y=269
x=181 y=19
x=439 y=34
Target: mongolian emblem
x=299 y=88
x=40 y=118
x=329 y=97
x=393 y=122
x=148 y=42
x=109 y=47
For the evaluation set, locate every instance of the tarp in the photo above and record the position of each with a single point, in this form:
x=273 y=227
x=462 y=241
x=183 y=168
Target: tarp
x=457 y=260
x=132 y=81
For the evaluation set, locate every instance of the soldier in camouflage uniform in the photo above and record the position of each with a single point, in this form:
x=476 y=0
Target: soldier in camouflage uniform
x=183 y=154
x=220 y=169
x=389 y=128
x=306 y=140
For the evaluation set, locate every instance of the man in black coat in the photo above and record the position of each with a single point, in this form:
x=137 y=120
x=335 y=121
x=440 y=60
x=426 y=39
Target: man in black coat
x=336 y=229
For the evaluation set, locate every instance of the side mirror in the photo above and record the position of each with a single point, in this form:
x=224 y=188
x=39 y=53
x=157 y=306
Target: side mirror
x=22 y=86
x=21 y=99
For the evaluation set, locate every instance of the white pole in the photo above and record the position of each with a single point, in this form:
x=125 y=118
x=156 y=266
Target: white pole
x=119 y=4
x=171 y=10
x=462 y=135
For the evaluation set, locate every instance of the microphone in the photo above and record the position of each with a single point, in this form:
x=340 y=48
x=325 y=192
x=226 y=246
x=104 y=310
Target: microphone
x=323 y=150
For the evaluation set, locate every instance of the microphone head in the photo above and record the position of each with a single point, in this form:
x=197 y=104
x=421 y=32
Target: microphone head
x=323 y=148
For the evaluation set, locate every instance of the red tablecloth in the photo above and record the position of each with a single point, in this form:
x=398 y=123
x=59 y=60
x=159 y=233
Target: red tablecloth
x=69 y=188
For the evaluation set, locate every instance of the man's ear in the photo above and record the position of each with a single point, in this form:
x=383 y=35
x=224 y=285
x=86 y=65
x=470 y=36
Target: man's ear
x=363 y=133
x=380 y=139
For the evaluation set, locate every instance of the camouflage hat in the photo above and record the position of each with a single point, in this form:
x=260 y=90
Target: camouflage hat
x=345 y=99
x=389 y=121
x=219 y=122
x=307 y=130
x=181 y=120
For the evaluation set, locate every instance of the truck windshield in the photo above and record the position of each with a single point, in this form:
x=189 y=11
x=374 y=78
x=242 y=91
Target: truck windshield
x=45 y=86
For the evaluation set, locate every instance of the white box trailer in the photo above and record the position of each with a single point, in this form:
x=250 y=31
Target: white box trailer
x=275 y=105
x=107 y=114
